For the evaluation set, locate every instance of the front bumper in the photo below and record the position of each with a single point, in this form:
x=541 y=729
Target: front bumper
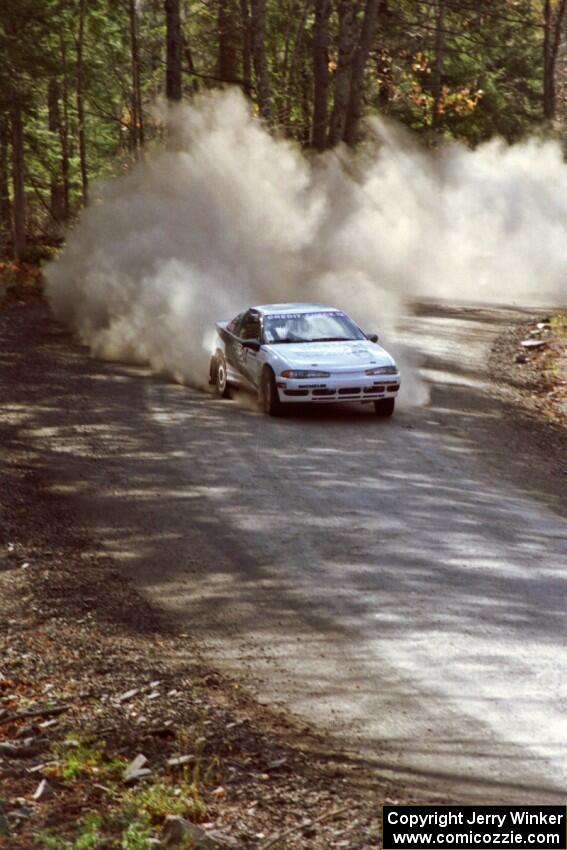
x=338 y=388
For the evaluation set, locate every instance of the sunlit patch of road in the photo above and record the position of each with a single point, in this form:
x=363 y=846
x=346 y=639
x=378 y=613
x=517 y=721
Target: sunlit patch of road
x=401 y=582
x=377 y=579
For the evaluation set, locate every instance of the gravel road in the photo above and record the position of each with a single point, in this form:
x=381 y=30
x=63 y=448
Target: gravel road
x=400 y=583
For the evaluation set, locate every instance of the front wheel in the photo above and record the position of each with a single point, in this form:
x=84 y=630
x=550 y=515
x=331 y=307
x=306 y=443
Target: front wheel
x=268 y=398
x=384 y=406
x=219 y=376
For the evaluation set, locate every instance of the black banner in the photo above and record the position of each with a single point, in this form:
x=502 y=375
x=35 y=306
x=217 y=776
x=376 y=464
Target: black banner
x=481 y=827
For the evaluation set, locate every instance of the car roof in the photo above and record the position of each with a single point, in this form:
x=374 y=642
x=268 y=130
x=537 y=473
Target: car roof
x=294 y=307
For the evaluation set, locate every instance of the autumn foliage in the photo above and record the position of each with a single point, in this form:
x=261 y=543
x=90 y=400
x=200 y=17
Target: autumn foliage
x=19 y=281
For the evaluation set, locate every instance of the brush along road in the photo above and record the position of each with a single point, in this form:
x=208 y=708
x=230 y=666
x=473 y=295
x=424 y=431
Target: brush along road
x=402 y=583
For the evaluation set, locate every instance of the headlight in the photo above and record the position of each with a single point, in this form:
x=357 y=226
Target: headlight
x=382 y=370
x=304 y=373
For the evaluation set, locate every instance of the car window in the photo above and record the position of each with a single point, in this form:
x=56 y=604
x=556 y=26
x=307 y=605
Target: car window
x=250 y=326
x=310 y=327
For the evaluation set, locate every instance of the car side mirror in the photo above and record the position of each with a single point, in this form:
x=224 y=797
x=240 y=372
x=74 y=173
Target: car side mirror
x=372 y=337
x=251 y=344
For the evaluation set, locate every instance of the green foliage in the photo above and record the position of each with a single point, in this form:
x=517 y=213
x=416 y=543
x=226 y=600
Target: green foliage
x=137 y=836
x=77 y=759
x=474 y=72
x=559 y=324
x=134 y=814
x=89 y=837
x=129 y=831
x=129 y=824
x=491 y=75
x=161 y=799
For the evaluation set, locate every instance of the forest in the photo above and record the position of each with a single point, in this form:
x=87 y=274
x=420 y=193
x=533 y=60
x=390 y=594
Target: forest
x=80 y=80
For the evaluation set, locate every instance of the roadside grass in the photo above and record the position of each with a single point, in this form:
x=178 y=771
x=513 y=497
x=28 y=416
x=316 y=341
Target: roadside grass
x=89 y=837
x=132 y=820
x=559 y=324
x=161 y=799
x=555 y=360
x=134 y=813
x=127 y=829
x=74 y=759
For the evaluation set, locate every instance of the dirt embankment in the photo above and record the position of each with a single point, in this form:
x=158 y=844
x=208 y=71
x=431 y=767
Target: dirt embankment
x=93 y=677
x=529 y=367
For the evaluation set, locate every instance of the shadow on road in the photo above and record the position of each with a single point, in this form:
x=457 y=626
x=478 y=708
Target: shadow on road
x=375 y=568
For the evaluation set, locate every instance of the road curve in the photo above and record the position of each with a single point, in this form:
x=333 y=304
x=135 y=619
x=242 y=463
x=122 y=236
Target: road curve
x=401 y=583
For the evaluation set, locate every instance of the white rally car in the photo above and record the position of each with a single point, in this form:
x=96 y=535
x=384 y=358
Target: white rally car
x=302 y=353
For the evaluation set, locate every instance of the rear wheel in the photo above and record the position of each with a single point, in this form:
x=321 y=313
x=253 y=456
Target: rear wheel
x=220 y=379
x=268 y=398
x=384 y=406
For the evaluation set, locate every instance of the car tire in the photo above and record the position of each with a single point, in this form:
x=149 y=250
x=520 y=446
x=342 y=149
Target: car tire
x=268 y=398
x=384 y=407
x=220 y=379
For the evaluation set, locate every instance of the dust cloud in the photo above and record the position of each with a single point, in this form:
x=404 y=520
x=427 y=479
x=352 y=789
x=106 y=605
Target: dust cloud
x=234 y=217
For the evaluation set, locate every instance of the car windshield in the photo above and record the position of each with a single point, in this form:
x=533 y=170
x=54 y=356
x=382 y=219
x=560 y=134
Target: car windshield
x=310 y=327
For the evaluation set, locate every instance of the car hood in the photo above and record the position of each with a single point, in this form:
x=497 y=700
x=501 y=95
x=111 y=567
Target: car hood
x=344 y=356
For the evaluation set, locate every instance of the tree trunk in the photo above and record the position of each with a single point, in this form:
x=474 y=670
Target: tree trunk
x=137 y=122
x=174 y=48
x=81 y=104
x=320 y=72
x=306 y=133
x=64 y=132
x=133 y=125
x=228 y=41
x=552 y=26
x=263 y=95
x=367 y=35
x=190 y=65
x=291 y=63
x=437 y=81
x=18 y=178
x=57 y=207
x=246 y=30
x=5 y=203
x=347 y=20
x=548 y=94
